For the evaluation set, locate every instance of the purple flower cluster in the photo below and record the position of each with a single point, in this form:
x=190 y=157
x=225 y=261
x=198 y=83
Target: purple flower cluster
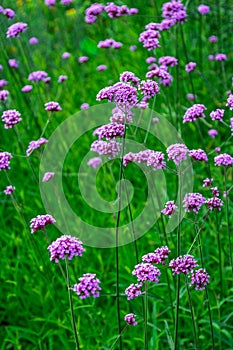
x=217 y=114
x=50 y=3
x=52 y=106
x=120 y=93
x=149 y=88
x=94 y=162
x=65 y=55
x=207 y=182
x=174 y=11
x=101 y=68
x=220 y=57
x=33 y=41
x=133 y=290
x=65 y=246
x=130 y=319
x=35 y=144
x=3 y=95
x=48 y=176
x=5 y=160
x=230 y=101
x=177 y=152
x=213 y=38
x=62 y=78
x=83 y=59
x=213 y=133
x=9 y=190
x=199 y=279
x=9 y=13
x=3 y=83
x=146 y=272
x=203 y=9
x=169 y=209
x=150 y=39
x=165 y=77
x=193 y=201
x=214 y=203
x=40 y=221
x=110 y=131
x=13 y=63
x=183 y=264
x=37 y=76
x=127 y=76
x=194 y=112
x=106 y=148
x=10 y=118
x=15 y=29
x=158 y=256
x=190 y=66
x=168 y=61
x=88 y=285
x=109 y=43
x=223 y=159
x=150 y=157
x=198 y=154
x=27 y=88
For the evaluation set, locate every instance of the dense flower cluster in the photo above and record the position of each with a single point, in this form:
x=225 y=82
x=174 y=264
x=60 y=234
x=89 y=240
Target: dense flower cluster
x=27 y=88
x=174 y=11
x=207 y=182
x=150 y=157
x=150 y=39
x=9 y=13
x=13 y=63
x=165 y=77
x=3 y=95
x=106 y=148
x=158 y=256
x=190 y=66
x=230 y=101
x=146 y=272
x=193 y=201
x=214 y=203
x=198 y=154
x=223 y=159
x=177 y=152
x=52 y=106
x=220 y=57
x=10 y=118
x=169 y=209
x=65 y=246
x=37 y=75
x=9 y=190
x=127 y=76
x=213 y=133
x=203 y=9
x=110 y=131
x=149 y=88
x=183 y=264
x=130 y=319
x=199 y=279
x=133 y=290
x=3 y=83
x=33 y=41
x=62 y=78
x=5 y=160
x=194 y=112
x=120 y=93
x=15 y=29
x=40 y=221
x=109 y=43
x=88 y=286
x=217 y=114
x=168 y=61
x=35 y=144
x=94 y=162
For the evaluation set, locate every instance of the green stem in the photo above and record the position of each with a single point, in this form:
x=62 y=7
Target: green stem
x=228 y=219
x=219 y=254
x=192 y=315
x=146 y=317
x=71 y=306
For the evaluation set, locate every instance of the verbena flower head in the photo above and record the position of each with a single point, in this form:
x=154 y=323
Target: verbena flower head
x=15 y=29
x=155 y=159
x=175 y=11
x=65 y=55
x=92 y=12
x=183 y=264
x=52 y=106
x=5 y=160
x=191 y=97
x=131 y=319
x=9 y=190
x=217 y=114
x=198 y=154
x=9 y=13
x=152 y=258
x=127 y=76
x=177 y=152
x=133 y=290
x=94 y=162
x=106 y=148
x=110 y=131
x=193 y=202
x=149 y=88
x=128 y=158
x=230 y=101
x=168 y=61
x=215 y=191
x=150 y=39
x=48 y=176
x=88 y=286
x=13 y=63
x=203 y=9
x=146 y=272
x=27 y=88
x=35 y=144
x=10 y=118
x=83 y=59
x=199 y=279
x=169 y=209
x=194 y=112
x=62 y=78
x=37 y=75
x=165 y=78
x=33 y=40
x=223 y=159
x=40 y=221
x=213 y=38
x=214 y=203
x=101 y=68
x=65 y=246
x=50 y=3
x=66 y=2
x=213 y=133
x=84 y=106
x=109 y=43
x=3 y=95
x=123 y=94
x=207 y=182
x=220 y=57
x=162 y=252
x=190 y=66
x=150 y=60
x=3 y=83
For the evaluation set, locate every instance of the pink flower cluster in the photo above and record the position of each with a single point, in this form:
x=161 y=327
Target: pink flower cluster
x=40 y=221
x=65 y=246
x=88 y=285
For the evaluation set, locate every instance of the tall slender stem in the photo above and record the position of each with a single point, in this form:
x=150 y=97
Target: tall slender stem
x=192 y=315
x=71 y=305
x=228 y=219
x=146 y=317
x=219 y=254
